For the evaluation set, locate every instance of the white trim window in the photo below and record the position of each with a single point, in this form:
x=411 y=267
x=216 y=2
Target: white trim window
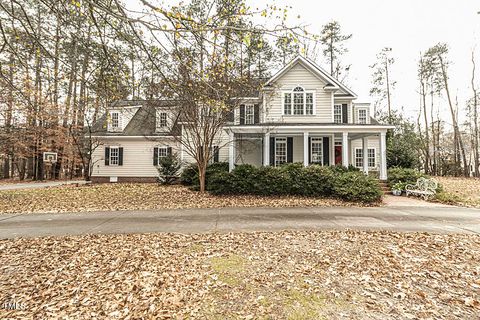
x=299 y=102
x=362 y=116
x=162 y=152
x=114 y=156
x=287 y=103
x=359 y=158
x=316 y=150
x=249 y=114
x=280 y=151
x=337 y=113
x=115 y=120
x=162 y=120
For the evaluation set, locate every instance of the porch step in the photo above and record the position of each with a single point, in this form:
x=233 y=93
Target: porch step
x=384 y=187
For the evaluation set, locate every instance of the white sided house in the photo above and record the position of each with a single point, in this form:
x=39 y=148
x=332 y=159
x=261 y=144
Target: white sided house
x=301 y=114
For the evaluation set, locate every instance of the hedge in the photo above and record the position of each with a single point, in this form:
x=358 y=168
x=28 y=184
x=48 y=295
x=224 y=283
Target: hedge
x=404 y=175
x=189 y=176
x=295 y=179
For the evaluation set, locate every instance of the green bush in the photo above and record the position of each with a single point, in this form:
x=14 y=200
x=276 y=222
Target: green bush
x=294 y=179
x=168 y=169
x=189 y=176
x=404 y=175
x=355 y=186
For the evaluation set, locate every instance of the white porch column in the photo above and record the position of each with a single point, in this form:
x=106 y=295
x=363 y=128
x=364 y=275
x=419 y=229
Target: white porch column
x=231 y=151
x=305 y=149
x=266 y=149
x=365 y=154
x=345 y=149
x=383 y=156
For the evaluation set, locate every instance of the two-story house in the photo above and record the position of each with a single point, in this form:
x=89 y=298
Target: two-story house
x=302 y=114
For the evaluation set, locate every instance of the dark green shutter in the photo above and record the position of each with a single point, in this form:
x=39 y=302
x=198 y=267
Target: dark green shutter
x=272 y=151
x=309 y=150
x=344 y=113
x=242 y=114
x=120 y=156
x=216 y=155
x=256 y=114
x=107 y=156
x=155 y=156
x=290 y=149
x=326 y=151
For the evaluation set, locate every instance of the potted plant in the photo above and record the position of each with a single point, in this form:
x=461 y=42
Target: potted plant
x=398 y=188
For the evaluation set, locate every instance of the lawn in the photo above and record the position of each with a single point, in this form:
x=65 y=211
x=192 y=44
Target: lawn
x=138 y=196
x=462 y=191
x=285 y=275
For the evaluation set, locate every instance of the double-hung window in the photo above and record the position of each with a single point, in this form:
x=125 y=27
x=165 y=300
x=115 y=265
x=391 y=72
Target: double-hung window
x=316 y=147
x=114 y=156
x=249 y=114
x=162 y=121
x=280 y=151
x=359 y=158
x=162 y=152
x=115 y=119
x=362 y=116
x=337 y=113
x=298 y=102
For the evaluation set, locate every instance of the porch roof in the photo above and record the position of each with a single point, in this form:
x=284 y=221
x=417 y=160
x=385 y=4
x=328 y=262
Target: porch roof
x=309 y=127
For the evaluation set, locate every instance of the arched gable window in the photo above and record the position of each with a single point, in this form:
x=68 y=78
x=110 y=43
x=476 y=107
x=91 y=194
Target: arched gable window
x=298 y=102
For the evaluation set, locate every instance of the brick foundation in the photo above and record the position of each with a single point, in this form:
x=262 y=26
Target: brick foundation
x=125 y=179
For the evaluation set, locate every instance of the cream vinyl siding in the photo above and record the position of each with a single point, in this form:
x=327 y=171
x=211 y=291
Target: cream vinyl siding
x=299 y=76
x=249 y=151
x=373 y=142
x=221 y=141
x=137 y=157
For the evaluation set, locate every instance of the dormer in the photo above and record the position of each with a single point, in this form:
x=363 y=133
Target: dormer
x=119 y=117
x=362 y=113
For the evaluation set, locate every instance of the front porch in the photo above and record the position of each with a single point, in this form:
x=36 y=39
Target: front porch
x=277 y=146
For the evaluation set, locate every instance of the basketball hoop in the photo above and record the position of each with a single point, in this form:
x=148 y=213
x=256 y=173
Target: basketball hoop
x=49 y=157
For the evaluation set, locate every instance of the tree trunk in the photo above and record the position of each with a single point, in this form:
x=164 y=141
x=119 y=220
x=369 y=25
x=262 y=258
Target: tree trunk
x=476 y=155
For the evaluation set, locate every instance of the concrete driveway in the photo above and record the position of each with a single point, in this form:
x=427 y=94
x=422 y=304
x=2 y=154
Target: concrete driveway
x=40 y=184
x=441 y=219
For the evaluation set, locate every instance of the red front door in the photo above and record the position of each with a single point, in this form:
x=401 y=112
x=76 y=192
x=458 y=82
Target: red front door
x=338 y=154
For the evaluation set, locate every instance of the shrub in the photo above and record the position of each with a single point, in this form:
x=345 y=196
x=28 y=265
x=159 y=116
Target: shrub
x=168 y=168
x=355 y=186
x=404 y=175
x=189 y=176
x=294 y=179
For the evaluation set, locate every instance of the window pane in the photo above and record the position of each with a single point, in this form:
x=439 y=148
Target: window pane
x=115 y=119
x=317 y=150
x=337 y=114
x=280 y=151
x=298 y=89
x=249 y=115
x=362 y=116
x=287 y=103
x=359 y=158
x=309 y=103
x=371 y=158
x=298 y=103
x=113 y=156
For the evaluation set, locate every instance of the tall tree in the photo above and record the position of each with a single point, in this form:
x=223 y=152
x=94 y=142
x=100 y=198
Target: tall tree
x=382 y=84
x=333 y=41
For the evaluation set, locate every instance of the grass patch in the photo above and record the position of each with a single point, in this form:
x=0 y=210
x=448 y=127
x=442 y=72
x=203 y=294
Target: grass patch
x=301 y=306
x=229 y=269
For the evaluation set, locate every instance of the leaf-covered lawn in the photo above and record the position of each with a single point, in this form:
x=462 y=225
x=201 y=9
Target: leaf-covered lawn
x=131 y=196
x=463 y=191
x=286 y=275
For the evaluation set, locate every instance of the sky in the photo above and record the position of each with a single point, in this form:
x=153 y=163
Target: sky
x=409 y=27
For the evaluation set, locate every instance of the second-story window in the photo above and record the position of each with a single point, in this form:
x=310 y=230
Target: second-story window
x=249 y=114
x=337 y=113
x=161 y=122
x=298 y=102
x=362 y=116
x=115 y=116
